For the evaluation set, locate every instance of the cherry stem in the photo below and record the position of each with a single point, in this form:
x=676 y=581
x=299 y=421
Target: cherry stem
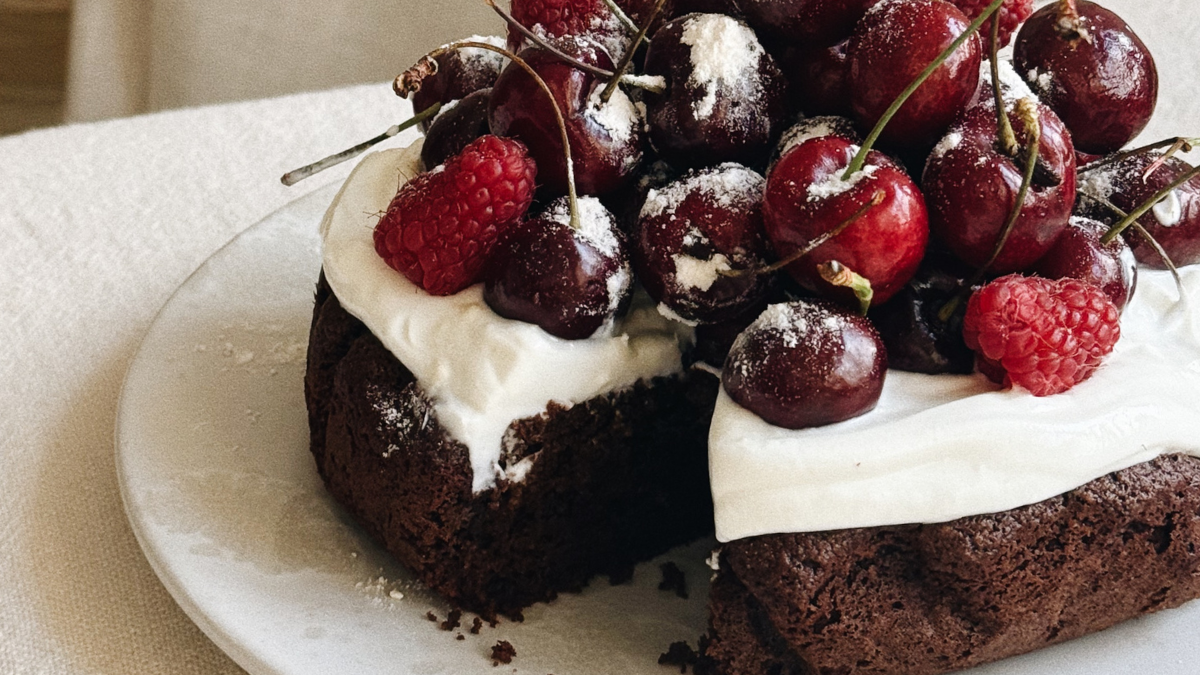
x=1069 y=24
x=295 y=176
x=1004 y=130
x=876 y=200
x=409 y=82
x=1027 y=109
x=1141 y=210
x=630 y=26
x=627 y=59
x=860 y=159
x=1178 y=143
x=837 y=274
x=1144 y=233
x=641 y=83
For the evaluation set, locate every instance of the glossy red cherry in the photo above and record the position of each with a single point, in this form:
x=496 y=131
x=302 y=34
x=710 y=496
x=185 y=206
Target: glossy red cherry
x=693 y=232
x=971 y=188
x=892 y=44
x=1104 y=85
x=805 y=364
x=725 y=99
x=809 y=22
x=806 y=198
x=1078 y=254
x=606 y=138
x=917 y=338
x=460 y=73
x=454 y=128
x=1174 y=222
x=809 y=128
x=569 y=282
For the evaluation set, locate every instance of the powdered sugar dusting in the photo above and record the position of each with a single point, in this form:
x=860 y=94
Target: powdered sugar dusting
x=950 y=142
x=484 y=58
x=619 y=117
x=1012 y=87
x=699 y=274
x=727 y=185
x=815 y=127
x=596 y=225
x=833 y=185
x=724 y=52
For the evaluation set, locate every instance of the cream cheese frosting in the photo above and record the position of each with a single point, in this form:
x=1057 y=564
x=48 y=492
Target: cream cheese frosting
x=938 y=448
x=481 y=371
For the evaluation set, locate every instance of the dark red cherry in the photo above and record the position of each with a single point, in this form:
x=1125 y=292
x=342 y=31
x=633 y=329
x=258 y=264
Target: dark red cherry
x=725 y=99
x=626 y=203
x=810 y=22
x=971 y=187
x=696 y=230
x=455 y=127
x=569 y=282
x=804 y=364
x=1103 y=84
x=1078 y=254
x=819 y=79
x=606 y=138
x=1174 y=222
x=892 y=44
x=809 y=128
x=726 y=7
x=459 y=73
x=806 y=198
x=714 y=340
x=917 y=338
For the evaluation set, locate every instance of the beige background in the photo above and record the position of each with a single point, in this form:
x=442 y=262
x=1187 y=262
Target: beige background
x=99 y=223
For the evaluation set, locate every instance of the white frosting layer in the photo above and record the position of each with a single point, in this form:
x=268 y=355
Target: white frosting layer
x=480 y=370
x=938 y=448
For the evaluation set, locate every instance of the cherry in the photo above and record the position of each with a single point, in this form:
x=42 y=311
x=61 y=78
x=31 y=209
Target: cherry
x=815 y=127
x=626 y=203
x=714 y=340
x=806 y=197
x=819 y=78
x=459 y=73
x=810 y=22
x=695 y=231
x=1100 y=78
x=917 y=338
x=455 y=127
x=1079 y=254
x=726 y=7
x=606 y=138
x=892 y=44
x=804 y=364
x=725 y=99
x=1174 y=222
x=570 y=282
x=971 y=186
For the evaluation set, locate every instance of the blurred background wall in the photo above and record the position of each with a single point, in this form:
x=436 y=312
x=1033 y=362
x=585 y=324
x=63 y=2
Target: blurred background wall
x=83 y=60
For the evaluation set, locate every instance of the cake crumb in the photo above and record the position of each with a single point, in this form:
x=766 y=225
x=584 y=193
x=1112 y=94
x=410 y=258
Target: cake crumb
x=452 y=620
x=673 y=579
x=476 y=625
x=460 y=636
x=431 y=616
x=679 y=654
x=502 y=652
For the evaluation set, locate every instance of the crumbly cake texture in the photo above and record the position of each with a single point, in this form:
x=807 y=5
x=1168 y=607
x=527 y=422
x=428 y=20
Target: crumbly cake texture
x=608 y=483
x=928 y=599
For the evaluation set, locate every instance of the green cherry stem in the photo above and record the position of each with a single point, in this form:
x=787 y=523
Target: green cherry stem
x=1178 y=143
x=627 y=60
x=1141 y=210
x=629 y=25
x=1004 y=130
x=860 y=159
x=1137 y=226
x=295 y=176
x=409 y=82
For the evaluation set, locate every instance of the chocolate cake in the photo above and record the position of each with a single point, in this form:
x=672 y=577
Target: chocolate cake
x=926 y=599
x=612 y=481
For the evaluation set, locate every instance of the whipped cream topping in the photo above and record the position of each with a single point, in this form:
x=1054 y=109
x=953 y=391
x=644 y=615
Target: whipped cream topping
x=943 y=447
x=480 y=370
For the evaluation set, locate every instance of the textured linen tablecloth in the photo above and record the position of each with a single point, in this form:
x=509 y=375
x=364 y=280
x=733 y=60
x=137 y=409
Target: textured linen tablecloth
x=98 y=225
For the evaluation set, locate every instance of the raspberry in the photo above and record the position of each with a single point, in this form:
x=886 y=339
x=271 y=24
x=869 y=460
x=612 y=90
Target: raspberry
x=441 y=225
x=560 y=18
x=1045 y=335
x=1012 y=14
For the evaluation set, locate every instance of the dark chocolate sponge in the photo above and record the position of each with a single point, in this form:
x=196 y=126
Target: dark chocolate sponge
x=615 y=480
x=926 y=599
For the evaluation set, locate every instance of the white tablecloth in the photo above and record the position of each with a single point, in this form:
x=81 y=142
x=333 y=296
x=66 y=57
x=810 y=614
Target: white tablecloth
x=98 y=225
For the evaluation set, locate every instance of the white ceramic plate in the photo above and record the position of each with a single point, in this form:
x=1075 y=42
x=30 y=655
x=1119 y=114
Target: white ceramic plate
x=212 y=449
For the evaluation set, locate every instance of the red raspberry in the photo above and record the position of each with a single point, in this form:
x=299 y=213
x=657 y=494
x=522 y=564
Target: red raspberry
x=441 y=225
x=1012 y=14
x=559 y=18
x=1045 y=335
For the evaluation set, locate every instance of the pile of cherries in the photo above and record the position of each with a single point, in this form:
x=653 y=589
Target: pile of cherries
x=864 y=226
